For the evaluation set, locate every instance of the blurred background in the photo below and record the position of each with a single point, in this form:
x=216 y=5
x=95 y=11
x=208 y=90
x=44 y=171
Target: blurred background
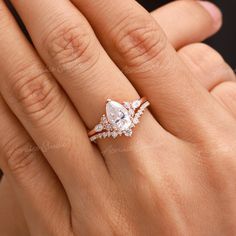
x=225 y=41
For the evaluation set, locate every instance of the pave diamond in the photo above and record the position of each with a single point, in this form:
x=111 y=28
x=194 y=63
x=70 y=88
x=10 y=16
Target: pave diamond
x=136 y=120
x=131 y=112
x=128 y=133
x=114 y=134
x=118 y=116
x=108 y=127
x=136 y=104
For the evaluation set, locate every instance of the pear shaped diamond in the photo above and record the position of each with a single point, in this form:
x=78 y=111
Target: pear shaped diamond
x=118 y=116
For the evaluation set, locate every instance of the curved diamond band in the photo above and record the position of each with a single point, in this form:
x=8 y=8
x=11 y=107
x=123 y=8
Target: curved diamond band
x=120 y=119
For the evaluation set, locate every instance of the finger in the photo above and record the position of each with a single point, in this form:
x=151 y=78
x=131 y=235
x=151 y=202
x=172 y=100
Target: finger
x=92 y=77
x=207 y=64
x=138 y=45
x=225 y=93
x=41 y=196
x=44 y=110
x=11 y=216
x=212 y=72
x=64 y=38
x=186 y=22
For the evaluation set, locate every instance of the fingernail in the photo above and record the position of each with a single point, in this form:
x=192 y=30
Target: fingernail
x=214 y=11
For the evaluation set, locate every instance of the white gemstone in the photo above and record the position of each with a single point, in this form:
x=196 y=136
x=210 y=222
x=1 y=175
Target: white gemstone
x=108 y=127
x=131 y=112
x=127 y=105
x=128 y=133
x=114 y=134
x=104 y=135
x=136 y=120
x=140 y=113
x=104 y=120
x=120 y=133
x=118 y=116
x=132 y=126
x=99 y=128
x=136 y=104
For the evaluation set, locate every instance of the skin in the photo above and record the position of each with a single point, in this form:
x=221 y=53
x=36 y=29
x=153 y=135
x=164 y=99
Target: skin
x=138 y=191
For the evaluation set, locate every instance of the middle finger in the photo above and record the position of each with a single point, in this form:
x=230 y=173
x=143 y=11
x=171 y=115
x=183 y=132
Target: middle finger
x=140 y=48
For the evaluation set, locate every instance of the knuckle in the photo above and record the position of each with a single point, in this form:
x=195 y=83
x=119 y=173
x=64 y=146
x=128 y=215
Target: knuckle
x=18 y=155
x=226 y=90
x=225 y=93
x=225 y=72
x=208 y=61
x=224 y=157
x=210 y=55
x=202 y=54
x=139 y=42
x=37 y=94
x=71 y=46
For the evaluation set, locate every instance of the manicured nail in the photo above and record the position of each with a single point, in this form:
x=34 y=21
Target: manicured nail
x=214 y=11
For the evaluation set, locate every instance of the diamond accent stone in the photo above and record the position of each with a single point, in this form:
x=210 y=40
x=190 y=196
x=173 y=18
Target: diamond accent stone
x=99 y=128
x=140 y=113
x=114 y=134
x=120 y=133
x=131 y=112
x=128 y=133
x=135 y=120
x=108 y=127
x=118 y=116
x=136 y=104
x=104 y=120
x=127 y=105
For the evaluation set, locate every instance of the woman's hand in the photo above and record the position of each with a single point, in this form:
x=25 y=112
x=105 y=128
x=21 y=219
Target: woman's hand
x=188 y=23
x=150 y=183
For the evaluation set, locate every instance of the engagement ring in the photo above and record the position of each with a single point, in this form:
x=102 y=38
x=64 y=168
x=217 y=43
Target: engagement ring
x=120 y=119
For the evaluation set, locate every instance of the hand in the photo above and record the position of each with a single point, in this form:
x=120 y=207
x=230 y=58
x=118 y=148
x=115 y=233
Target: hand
x=130 y=156
x=186 y=30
